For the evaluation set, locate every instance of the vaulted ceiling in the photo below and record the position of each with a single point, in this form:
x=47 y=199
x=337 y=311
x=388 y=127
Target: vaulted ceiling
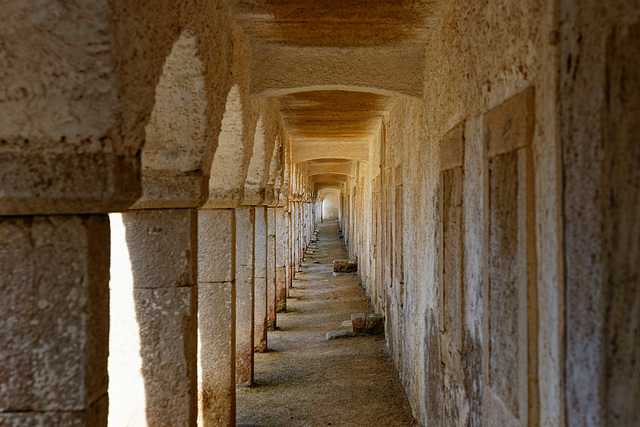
x=338 y=23
x=363 y=54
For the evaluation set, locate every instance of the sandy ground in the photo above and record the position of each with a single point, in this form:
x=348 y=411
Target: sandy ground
x=305 y=380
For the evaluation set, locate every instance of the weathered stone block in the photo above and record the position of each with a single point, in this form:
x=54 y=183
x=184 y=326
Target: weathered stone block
x=162 y=244
x=358 y=322
x=167 y=319
x=216 y=240
x=170 y=190
x=244 y=325
x=49 y=181
x=345 y=266
x=374 y=324
x=217 y=354
x=54 y=300
x=260 y=314
x=281 y=289
x=260 y=243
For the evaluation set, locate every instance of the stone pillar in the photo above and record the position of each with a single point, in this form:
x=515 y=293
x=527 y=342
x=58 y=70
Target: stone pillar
x=290 y=262
x=162 y=248
x=294 y=235
x=54 y=327
x=245 y=230
x=216 y=317
x=282 y=252
x=271 y=267
x=260 y=280
x=64 y=154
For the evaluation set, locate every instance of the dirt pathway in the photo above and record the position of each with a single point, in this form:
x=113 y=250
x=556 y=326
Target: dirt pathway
x=306 y=380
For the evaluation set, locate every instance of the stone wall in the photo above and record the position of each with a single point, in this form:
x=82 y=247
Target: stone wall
x=438 y=309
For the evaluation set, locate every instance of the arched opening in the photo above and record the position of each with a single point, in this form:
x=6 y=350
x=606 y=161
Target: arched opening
x=227 y=177
x=152 y=250
x=256 y=171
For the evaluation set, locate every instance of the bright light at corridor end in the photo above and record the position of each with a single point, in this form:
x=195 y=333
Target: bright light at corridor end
x=331 y=205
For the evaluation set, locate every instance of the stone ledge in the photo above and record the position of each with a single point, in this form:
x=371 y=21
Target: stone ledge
x=66 y=182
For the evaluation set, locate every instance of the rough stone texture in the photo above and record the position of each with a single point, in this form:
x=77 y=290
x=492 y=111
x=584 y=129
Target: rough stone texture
x=622 y=229
x=167 y=320
x=342 y=333
x=358 y=322
x=504 y=301
x=599 y=88
x=280 y=69
x=216 y=317
x=55 y=321
x=512 y=288
x=162 y=245
x=166 y=190
x=72 y=160
x=374 y=324
x=93 y=416
x=451 y=291
x=216 y=245
x=281 y=289
x=282 y=258
x=345 y=266
x=175 y=136
x=58 y=180
x=506 y=46
x=216 y=354
x=271 y=267
x=245 y=229
x=260 y=280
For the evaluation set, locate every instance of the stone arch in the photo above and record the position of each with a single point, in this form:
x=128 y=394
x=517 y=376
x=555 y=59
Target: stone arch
x=277 y=70
x=176 y=135
x=315 y=168
x=254 y=182
x=227 y=178
x=328 y=177
x=310 y=151
x=331 y=198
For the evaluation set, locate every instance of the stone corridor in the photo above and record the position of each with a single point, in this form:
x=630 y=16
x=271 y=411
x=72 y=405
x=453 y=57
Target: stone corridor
x=164 y=165
x=306 y=380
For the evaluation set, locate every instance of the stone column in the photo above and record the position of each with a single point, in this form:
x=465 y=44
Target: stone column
x=290 y=262
x=64 y=163
x=162 y=247
x=54 y=327
x=271 y=267
x=216 y=317
x=282 y=252
x=260 y=280
x=245 y=230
